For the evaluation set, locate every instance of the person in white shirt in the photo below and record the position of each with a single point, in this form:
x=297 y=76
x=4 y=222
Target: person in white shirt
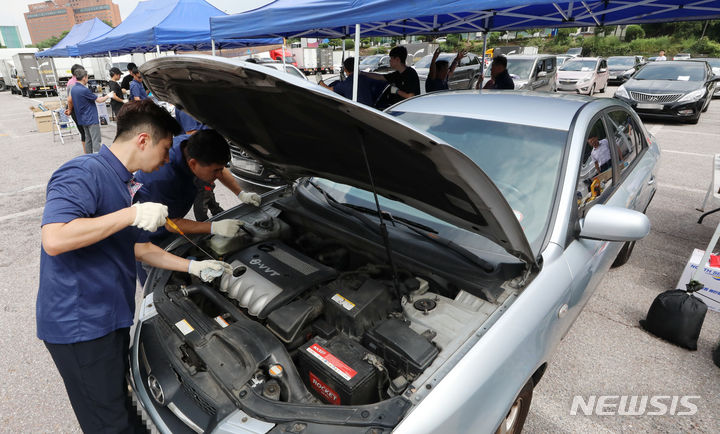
x=661 y=56
x=600 y=153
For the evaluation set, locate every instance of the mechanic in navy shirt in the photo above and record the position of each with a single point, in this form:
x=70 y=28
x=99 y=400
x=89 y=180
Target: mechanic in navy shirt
x=405 y=81
x=91 y=237
x=137 y=90
x=87 y=115
x=202 y=155
x=368 y=89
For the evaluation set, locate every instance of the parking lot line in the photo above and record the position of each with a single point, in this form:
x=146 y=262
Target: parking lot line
x=22 y=214
x=694 y=154
x=681 y=188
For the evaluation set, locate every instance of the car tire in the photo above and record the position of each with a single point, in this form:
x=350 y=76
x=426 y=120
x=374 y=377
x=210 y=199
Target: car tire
x=592 y=90
x=603 y=89
x=515 y=419
x=624 y=254
x=707 y=106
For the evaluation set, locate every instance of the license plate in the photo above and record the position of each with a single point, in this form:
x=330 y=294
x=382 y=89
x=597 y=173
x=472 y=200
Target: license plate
x=647 y=106
x=44 y=88
x=613 y=77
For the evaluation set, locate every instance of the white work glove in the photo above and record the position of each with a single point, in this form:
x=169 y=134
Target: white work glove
x=208 y=270
x=226 y=228
x=252 y=198
x=150 y=215
x=394 y=89
x=111 y=94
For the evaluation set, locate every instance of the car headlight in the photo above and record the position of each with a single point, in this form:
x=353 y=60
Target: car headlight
x=622 y=93
x=693 y=96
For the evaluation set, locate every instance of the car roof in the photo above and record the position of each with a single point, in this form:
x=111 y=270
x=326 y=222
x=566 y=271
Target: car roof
x=586 y=58
x=528 y=56
x=539 y=109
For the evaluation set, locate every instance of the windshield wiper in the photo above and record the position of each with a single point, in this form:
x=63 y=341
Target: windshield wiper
x=425 y=231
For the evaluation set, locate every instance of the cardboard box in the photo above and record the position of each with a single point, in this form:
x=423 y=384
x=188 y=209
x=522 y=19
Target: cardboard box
x=44 y=121
x=710 y=278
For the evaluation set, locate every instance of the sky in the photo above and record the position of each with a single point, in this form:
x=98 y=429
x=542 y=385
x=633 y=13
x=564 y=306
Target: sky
x=13 y=10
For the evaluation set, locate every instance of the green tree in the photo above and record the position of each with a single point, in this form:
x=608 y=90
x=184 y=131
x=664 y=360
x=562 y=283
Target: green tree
x=108 y=23
x=633 y=32
x=51 y=41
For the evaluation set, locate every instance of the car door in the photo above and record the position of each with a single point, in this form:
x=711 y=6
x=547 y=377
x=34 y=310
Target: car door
x=589 y=259
x=461 y=76
x=602 y=75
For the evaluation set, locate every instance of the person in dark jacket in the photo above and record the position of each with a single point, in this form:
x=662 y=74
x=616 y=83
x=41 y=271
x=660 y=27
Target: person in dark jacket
x=440 y=72
x=125 y=83
x=404 y=79
x=500 y=77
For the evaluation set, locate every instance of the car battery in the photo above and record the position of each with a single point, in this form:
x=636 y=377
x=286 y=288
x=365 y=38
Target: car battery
x=335 y=370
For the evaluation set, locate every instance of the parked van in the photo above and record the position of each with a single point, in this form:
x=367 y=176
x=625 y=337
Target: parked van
x=531 y=72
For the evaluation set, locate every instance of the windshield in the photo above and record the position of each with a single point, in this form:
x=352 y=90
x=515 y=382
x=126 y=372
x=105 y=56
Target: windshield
x=574 y=51
x=672 y=71
x=523 y=161
x=520 y=68
x=425 y=61
x=621 y=62
x=579 y=65
x=371 y=60
x=714 y=62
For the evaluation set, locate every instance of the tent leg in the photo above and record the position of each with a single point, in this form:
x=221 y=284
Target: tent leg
x=158 y=49
x=283 y=54
x=485 y=37
x=212 y=44
x=356 y=62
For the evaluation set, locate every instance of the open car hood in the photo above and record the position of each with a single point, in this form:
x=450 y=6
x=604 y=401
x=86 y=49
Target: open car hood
x=298 y=129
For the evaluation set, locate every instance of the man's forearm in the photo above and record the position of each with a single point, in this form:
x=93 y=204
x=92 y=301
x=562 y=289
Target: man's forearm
x=405 y=94
x=154 y=256
x=228 y=180
x=60 y=238
x=190 y=226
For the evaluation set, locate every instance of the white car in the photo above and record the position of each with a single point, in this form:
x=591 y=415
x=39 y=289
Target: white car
x=585 y=75
x=682 y=56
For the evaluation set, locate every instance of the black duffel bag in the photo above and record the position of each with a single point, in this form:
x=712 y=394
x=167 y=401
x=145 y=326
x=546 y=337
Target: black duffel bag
x=677 y=316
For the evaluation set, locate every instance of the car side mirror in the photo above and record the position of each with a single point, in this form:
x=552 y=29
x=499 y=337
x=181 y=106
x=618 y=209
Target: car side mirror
x=602 y=70
x=541 y=74
x=610 y=223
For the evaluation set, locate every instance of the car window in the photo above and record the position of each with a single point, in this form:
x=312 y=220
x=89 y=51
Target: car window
x=628 y=136
x=293 y=71
x=596 y=171
x=550 y=64
x=472 y=59
x=465 y=61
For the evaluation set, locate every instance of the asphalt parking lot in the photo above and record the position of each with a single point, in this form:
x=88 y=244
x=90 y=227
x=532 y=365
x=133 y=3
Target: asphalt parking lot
x=605 y=353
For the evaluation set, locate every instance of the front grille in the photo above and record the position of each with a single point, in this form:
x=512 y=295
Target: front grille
x=568 y=81
x=655 y=97
x=199 y=399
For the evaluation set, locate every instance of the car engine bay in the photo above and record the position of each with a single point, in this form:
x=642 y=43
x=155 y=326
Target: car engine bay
x=306 y=318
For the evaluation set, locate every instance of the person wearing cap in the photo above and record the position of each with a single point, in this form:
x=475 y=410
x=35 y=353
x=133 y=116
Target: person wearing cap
x=198 y=154
x=91 y=236
x=116 y=101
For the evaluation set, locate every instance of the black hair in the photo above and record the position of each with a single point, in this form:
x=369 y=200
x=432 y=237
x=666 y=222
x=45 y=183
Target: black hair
x=207 y=147
x=500 y=60
x=80 y=73
x=131 y=66
x=115 y=71
x=442 y=64
x=400 y=52
x=349 y=64
x=75 y=67
x=145 y=116
x=134 y=71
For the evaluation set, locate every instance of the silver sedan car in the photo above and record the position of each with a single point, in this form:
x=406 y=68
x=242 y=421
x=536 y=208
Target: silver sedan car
x=415 y=276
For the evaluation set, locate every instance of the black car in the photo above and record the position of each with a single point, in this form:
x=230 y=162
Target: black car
x=622 y=67
x=679 y=90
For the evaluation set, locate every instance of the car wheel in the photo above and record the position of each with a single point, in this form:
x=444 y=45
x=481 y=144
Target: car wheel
x=603 y=89
x=592 y=90
x=624 y=254
x=515 y=419
x=707 y=106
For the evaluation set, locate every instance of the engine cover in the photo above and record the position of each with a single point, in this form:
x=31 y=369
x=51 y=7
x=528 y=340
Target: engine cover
x=270 y=274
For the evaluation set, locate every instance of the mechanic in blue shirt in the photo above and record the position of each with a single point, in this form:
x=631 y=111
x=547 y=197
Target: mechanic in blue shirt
x=83 y=101
x=368 y=89
x=202 y=155
x=137 y=90
x=91 y=237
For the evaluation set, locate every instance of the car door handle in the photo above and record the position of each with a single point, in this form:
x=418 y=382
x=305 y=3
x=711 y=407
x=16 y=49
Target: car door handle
x=652 y=180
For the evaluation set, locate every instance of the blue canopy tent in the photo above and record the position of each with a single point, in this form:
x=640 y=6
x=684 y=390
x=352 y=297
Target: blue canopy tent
x=345 y=18
x=337 y=18
x=167 y=25
x=67 y=47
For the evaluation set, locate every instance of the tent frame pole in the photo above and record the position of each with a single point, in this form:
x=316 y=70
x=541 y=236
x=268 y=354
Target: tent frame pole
x=283 y=54
x=482 y=74
x=356 y=63
x=212 y=44
x=158 y=49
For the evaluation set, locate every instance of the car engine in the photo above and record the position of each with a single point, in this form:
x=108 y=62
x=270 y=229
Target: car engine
x=356 y=332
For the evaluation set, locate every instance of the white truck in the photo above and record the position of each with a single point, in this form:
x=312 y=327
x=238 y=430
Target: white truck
x=34 y=76
x=314 y=60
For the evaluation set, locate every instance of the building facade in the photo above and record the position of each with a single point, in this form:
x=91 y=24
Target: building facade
x=51 y=18
x=10 y=37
